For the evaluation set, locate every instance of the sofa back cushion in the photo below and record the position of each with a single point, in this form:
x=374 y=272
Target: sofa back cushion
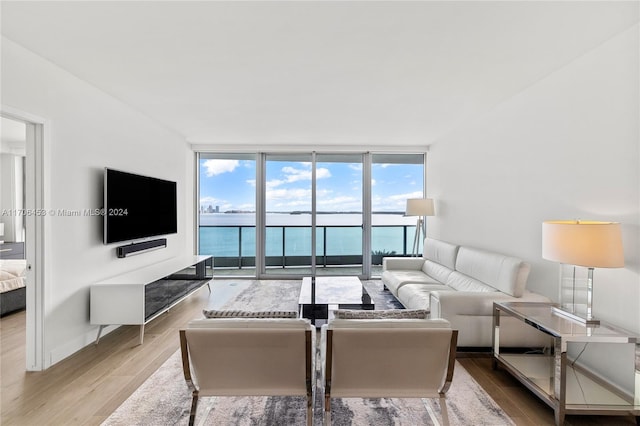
x=504 y=273
x=440 y=252
x=436 y=271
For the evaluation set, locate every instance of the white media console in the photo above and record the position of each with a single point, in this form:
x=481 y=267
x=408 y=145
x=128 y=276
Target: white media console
x=139 y=296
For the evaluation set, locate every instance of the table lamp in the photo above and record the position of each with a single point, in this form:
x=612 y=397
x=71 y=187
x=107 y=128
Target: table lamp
x=583 y=243
x=419 y=207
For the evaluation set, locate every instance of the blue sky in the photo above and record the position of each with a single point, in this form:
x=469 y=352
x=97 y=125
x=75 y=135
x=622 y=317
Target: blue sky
x=230 y=184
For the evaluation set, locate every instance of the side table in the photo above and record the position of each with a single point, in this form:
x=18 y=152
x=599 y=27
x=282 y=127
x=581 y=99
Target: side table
x=562 y=384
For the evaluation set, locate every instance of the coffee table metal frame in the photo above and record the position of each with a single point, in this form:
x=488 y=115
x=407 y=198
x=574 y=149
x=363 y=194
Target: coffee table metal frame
x=319 y=296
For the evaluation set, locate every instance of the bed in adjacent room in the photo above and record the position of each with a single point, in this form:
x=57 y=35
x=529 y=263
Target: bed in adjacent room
x=12 y=285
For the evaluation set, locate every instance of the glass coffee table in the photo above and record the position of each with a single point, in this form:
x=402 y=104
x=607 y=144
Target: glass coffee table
x=319 y=296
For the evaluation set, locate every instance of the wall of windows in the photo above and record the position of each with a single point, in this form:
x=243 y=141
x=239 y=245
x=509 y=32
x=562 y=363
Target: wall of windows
x=299 y=214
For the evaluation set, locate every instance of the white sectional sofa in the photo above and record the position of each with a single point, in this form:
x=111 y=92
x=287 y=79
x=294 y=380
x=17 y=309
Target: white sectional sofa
x=460 y=284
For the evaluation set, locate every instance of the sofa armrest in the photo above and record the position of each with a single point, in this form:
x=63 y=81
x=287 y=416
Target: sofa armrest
x=403 y=263
x=446 y=304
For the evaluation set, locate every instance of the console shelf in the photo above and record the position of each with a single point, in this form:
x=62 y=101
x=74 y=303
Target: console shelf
x=139 y=296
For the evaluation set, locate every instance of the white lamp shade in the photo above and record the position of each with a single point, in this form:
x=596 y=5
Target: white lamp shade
x=419 y=207
x=1 y=229
x=583 y=243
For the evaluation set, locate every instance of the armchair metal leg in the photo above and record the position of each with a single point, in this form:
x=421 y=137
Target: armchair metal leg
x=443 y=410
x=326 y=412
x=309 y=410
x=327 y=418
x=194 y=406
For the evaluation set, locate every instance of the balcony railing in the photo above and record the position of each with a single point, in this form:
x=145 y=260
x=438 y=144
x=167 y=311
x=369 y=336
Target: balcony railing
x=233 y=246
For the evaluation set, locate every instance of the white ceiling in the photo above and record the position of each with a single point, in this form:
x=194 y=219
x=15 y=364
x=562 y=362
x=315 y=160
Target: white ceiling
x=302 y=72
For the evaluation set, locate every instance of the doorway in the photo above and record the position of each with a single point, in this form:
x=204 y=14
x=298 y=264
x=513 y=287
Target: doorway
x=22 y=222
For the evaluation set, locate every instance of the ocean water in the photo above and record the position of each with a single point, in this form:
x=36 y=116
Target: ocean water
x=229 y=235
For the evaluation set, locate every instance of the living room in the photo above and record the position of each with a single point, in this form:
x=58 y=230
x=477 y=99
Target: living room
x=527 y=111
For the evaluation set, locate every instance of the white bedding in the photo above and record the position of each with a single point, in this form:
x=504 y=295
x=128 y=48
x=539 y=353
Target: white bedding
x=12 y=274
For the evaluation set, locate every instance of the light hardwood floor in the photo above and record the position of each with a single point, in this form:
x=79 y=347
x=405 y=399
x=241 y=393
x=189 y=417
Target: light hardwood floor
x=87 y=387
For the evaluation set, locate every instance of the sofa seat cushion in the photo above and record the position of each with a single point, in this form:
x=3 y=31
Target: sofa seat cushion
x=417 y=296
x=462 y=282
x=399 y=277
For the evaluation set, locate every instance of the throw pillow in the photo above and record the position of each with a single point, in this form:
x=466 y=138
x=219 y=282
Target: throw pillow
x=249 y=314
x=382 y=314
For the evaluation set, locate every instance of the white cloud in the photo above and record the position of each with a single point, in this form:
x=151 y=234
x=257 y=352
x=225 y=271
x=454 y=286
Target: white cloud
x=273 y=183
x=208 y=200
x=339 y=203
x=293 y=174
x=397 y=202
x=415 y=194
x=291 y=194
x=323 y=173
x=284 y=199
x=217 y=167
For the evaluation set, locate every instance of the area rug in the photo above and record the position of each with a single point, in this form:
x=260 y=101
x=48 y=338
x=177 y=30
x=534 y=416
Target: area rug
x=164 y=398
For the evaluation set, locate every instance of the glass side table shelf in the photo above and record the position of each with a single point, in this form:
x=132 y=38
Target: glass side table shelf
x=567 y=388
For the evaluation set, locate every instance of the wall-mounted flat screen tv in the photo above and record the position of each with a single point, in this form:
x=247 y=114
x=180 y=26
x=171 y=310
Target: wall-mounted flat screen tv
x=137 y=206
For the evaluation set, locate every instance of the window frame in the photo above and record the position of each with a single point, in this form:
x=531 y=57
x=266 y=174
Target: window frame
x=260 y=157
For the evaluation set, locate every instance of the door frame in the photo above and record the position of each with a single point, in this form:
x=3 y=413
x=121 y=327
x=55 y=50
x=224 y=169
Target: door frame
x=36 y=239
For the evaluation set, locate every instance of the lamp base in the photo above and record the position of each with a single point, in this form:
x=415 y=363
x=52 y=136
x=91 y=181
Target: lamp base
x=418 y=238
x=574 y=317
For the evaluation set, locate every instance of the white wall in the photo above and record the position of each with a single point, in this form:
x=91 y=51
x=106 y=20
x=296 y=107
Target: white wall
x=89 y=131
x=567 y=147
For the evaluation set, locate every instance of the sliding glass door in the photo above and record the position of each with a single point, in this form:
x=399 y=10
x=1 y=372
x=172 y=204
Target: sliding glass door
x=396 y=178
x=288 y=180
x=227 y=211
x=339 y=214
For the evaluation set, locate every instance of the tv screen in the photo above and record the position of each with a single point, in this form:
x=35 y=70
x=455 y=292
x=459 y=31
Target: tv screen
x=137 y=206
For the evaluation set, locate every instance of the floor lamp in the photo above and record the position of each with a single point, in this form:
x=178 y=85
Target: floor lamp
x=419 y=207
x=583 y=243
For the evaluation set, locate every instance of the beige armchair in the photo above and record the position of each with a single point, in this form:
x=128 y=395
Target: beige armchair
x=395 y=358
x=249 y=357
